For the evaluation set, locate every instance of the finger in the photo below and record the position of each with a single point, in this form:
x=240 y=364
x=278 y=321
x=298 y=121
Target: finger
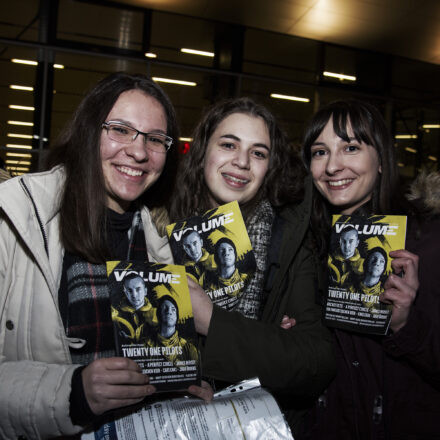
x=119 y=363
x=204 y=391
x=403 y=253
x=125 y=392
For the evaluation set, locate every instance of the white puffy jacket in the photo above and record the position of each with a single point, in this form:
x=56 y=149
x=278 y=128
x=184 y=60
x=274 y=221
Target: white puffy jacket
x=35 y=363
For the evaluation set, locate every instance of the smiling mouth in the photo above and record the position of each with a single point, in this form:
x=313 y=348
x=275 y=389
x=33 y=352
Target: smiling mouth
x=129 y=171
x=338 y=183
x=235 y=179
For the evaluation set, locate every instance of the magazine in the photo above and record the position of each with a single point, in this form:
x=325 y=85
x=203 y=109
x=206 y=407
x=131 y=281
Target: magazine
x=358 y=266
x=153 y=321
x=244 y=411
x=216 y=251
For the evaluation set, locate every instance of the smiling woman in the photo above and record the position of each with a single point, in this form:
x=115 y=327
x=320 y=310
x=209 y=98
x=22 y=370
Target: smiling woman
x=240 y=153
x=57 y=229
x=385 y=387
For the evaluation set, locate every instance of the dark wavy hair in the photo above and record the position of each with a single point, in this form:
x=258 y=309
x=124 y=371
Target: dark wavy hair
x=369 y=127
x=282 y=184
x=217 y=247
x=83 y=203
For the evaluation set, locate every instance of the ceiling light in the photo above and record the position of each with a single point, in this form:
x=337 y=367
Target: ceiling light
x=21 y=136
x=411 y=150
x=431 y=126
x=174 y=81
x=26 y=124
x=18 y=154
x=432 y=158
x=58 y=66
x=340 y=76
x=150 y=55
x=405 y=136
x=203 y=53
x=17 y=168
x=24 y=147
x=28 y=62
x=185 y=139
x=288 y=97
x=18 y=162
x=21 y=107
x=25 y=88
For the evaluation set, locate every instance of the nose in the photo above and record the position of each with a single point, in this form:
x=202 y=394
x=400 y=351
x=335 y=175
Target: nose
x=241 y=158
x=334 y=164
x=137 y=149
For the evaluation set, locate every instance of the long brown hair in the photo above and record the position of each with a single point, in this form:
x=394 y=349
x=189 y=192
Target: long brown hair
x=369 y=127
x=282 y=184
x=83 y=204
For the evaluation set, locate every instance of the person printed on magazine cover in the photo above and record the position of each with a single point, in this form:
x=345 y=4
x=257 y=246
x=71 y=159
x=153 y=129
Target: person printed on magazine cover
x=240 y=153
x=227 y=277
x=348 y=263
x=135 y=315
x=178 y=348
x=58 y=369
x=373 y=279
x=200 y=260
x=386 y=386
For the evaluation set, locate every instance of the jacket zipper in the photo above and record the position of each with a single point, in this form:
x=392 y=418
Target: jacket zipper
x=40 y=223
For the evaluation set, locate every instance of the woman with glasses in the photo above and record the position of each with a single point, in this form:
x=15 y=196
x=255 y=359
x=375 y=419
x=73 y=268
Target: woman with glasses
x=58 y=369
x=240 y=153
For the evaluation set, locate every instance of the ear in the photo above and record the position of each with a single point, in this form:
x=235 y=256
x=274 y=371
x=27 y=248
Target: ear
x=380 y=169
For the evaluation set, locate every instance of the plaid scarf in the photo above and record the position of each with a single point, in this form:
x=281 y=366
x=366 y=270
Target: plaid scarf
x=83 y=294
x=259 y=228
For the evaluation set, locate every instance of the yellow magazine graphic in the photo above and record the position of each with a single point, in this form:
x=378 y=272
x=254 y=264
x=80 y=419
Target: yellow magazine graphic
x=216 y=252
x=153 y=321
x=358 y=266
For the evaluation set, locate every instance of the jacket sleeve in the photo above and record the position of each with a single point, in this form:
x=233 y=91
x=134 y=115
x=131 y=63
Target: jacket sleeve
x=298 y=361
x=34 y=395
x=34 y=399
x=418 y=342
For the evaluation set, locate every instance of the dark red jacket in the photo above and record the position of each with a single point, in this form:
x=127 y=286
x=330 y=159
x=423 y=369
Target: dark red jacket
x=389 y=387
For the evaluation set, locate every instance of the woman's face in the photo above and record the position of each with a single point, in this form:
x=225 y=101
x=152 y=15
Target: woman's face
x=345 y=173
x=130 y=169
x=236 y=159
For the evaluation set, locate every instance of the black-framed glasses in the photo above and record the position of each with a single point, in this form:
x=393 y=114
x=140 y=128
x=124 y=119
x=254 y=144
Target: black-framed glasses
x=119 y=132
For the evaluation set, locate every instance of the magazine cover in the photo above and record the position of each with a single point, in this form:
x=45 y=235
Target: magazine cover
x=153 y=321
x=358 y=265
x=216 y=251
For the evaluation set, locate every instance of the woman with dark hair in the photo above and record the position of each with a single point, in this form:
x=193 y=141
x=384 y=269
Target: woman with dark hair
x=58 y=368
x=386 y=387
x=240 y=153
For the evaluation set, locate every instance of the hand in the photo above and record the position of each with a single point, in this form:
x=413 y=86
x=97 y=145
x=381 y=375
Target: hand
x=202 y=307
x=287 y=322
x=111 y=383
x=401 y=291
x=205 y=391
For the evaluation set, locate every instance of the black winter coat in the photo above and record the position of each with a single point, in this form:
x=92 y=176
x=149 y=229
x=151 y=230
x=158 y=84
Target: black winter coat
x=389 y=387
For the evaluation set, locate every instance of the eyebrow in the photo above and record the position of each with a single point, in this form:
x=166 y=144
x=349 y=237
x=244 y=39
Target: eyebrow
x=129 y=124
x=236 y=138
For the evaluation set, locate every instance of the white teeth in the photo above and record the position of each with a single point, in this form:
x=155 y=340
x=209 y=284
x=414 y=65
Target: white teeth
x=129 y=171
x=235 y=179
x=340 y=182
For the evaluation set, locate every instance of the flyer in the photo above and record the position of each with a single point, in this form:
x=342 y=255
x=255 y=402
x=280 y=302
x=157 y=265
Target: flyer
x=242 y=411
x=216 y=252
x=153 y=321
x=358 y=266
